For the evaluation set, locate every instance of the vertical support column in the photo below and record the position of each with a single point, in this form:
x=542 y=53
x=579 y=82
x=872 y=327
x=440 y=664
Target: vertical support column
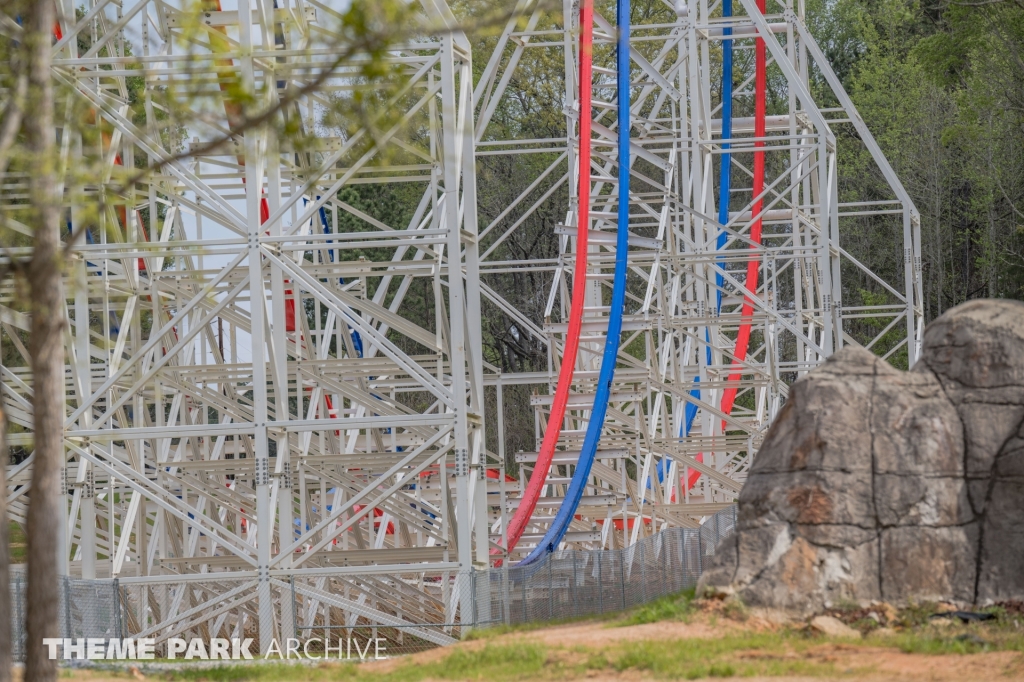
x=918 y=308
x=804 y=294
x=452 y=150
x=279 y=345
x=503 y=495
x=136 y=232
x=825 y=178
x=78 y=359
x=699 y=128
x=84 y=488
x=835 y=269
x=798 y=59
x=253 y=181
x=474 y=333
x=908 y=286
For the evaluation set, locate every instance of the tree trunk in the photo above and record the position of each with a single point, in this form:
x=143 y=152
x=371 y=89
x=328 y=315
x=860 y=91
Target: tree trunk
x=46 y=507
x=5 y=561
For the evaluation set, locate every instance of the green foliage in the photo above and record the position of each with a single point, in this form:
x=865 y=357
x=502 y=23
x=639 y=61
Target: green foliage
x=492 y=662
x=733 y=656
x=741 y=656
x=879 y=331
x=957 y=639
x=516 y=661
x=18 y=544
x=735 y=609
x=942 y=90
x=671 y=607
x=917 y=614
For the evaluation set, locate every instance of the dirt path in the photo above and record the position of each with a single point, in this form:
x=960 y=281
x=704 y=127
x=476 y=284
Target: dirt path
x=567 y=648
x=598 y=635
x=891 y=664
x=859 y=662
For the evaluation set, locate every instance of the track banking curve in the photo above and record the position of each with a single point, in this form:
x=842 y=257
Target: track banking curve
x=517 y=524
x=743 y=335
x=556 y=531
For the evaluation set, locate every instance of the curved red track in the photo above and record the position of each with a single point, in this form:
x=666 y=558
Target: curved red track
x=743 y=336
x=747 y=312
x=525 y=510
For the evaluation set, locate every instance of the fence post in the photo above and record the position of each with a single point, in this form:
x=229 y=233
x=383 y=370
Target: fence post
x=622 y=573
x=600 y=583
x=575 y=586
x=700 y=553
x=295 y=607
x=643 y=570
x=506 y=598
x=551 y=588
x=472 y=587
x=118 y=620
x=664 y=563
x=18 y=634
x=67 y=606
x=523 y=580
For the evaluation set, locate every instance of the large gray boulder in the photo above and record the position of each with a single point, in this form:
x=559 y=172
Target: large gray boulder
x=875 y=483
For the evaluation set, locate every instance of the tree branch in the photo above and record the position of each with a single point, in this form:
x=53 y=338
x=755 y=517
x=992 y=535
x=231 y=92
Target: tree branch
x=292 y=96
x=11 y=121
x=1009 y=201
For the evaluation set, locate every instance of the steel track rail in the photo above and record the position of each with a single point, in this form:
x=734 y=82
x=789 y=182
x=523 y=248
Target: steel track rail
x=524 y=512
x=556 y=531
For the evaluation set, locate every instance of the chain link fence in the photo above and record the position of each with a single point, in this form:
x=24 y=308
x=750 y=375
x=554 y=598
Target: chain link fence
x=341 y=615
x=574 y=583
x=87 y=608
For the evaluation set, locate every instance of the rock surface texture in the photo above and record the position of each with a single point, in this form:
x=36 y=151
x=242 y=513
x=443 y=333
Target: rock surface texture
x=878 y=484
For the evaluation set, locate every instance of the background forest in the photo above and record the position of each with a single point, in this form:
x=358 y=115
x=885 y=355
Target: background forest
x=941 y=86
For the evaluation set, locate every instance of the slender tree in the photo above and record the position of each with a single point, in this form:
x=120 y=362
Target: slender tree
x=46 y=347
x=5 y=563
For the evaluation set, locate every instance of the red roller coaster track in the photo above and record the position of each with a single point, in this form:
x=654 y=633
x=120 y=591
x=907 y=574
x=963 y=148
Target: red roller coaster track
x=523 y=513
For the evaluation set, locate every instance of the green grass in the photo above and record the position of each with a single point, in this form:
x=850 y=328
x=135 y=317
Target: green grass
x=733 y=656
x=268 y=672
x=788 y=652
x=917 y=614
x=17 y=543
x=264 y=672
x=502 y=663
x=516 y=661
x=784 y=653
x=672 y=607
x=955 y=639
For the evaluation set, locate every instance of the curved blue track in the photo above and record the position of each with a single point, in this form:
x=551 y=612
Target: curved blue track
x=357 y=341
x=565 y=514
x=725 y=177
